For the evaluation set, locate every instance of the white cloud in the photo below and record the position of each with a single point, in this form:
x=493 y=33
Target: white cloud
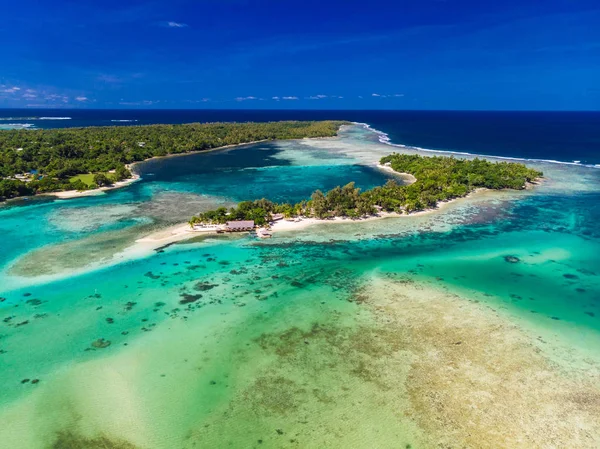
x=245 y=98
x=56 y=97
x=290 y=98
x=275 y=98
x=176 y=25
x=387 y=95
x=29 y=95
x=81 y=98
x=317 y=97
x=10 y=90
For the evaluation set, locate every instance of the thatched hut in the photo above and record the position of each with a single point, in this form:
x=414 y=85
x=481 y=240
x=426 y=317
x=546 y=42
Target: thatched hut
x=239 y=226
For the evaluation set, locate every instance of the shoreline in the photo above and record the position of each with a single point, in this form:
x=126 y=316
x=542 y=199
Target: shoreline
x=183 y=231
x=68 y=194
x=233 y=145
x=407 y=177
x=144 y=244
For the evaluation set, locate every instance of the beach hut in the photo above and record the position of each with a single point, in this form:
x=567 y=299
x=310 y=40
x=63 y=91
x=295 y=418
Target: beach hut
x=239 y=226
x=277 y=217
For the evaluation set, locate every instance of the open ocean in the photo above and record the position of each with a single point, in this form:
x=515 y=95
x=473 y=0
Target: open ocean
x=559 y=136
x=476 y=325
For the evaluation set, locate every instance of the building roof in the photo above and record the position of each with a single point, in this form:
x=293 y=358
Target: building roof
x=242 y=224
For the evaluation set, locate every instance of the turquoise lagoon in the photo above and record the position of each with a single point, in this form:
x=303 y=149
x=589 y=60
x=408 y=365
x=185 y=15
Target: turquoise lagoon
x=235 y=342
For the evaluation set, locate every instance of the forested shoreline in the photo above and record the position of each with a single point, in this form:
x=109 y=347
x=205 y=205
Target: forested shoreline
x=50 y=160
x=438 y=178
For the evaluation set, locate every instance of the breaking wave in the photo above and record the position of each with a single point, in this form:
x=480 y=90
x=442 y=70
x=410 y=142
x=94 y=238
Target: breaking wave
x=385 y=139
x=17 y=126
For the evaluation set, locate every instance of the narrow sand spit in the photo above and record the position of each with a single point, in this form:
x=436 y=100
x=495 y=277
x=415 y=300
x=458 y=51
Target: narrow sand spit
x=406 y=177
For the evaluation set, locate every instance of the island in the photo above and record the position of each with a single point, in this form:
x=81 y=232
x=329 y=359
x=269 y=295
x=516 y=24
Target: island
x=80 y=159
x=434 y=179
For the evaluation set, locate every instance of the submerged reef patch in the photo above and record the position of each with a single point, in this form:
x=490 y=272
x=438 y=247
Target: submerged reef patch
x=70 y=440
x=187 y=298
x=101 y=343
x=204 y=286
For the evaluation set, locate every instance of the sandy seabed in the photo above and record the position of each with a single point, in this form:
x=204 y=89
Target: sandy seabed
x=399 y=364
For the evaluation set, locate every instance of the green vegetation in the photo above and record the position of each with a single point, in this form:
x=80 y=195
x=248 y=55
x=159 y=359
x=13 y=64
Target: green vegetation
x=439 y=178
x=95 y=180
x=442 y=178
x=87 y=178
x=59 y=155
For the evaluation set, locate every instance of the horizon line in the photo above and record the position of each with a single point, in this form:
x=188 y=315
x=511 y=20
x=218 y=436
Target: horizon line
x=295 y=110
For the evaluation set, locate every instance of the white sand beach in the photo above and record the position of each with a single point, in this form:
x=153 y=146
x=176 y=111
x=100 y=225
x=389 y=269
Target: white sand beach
x=184 y=231
x=407 y=177
x=67 y=194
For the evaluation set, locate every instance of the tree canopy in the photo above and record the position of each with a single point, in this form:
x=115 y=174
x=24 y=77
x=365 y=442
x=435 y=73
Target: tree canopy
x=438 y=178
x=56 y=155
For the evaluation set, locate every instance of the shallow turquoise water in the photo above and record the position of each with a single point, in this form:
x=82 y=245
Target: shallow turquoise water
x=48 y=328
x=173 y=189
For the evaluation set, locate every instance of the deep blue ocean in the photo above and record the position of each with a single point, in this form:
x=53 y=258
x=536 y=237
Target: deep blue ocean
x=560 y=136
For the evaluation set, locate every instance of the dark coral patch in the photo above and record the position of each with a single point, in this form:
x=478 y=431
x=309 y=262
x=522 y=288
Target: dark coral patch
x=187 y=298
x=204 y=286
x=129 y=305
x=69 y=440
x=101 y=343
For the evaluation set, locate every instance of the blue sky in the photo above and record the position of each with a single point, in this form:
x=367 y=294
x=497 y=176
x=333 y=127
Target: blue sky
x=418 y=54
